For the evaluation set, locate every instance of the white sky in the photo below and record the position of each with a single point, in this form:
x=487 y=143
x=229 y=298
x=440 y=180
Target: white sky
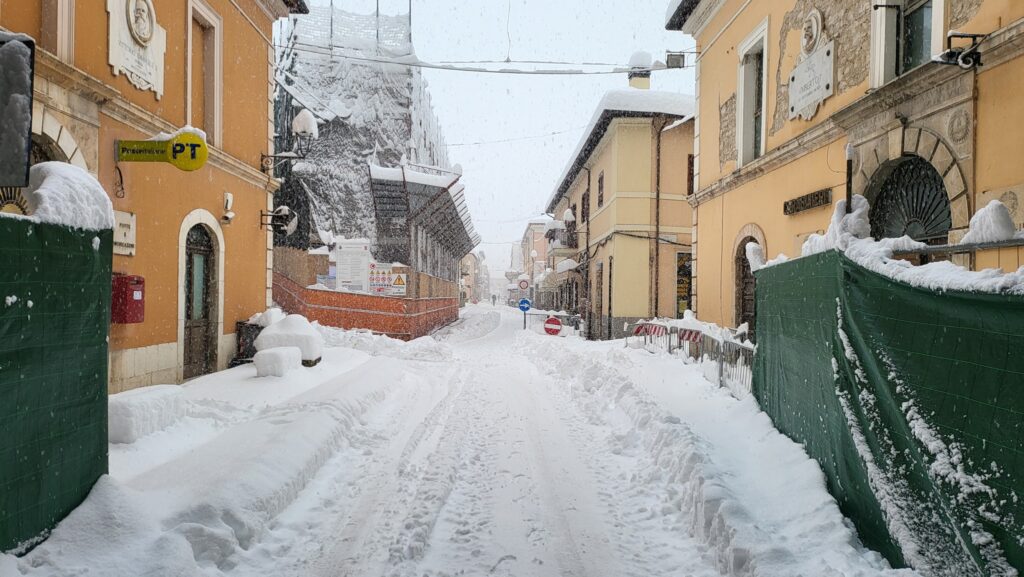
x=510 y=183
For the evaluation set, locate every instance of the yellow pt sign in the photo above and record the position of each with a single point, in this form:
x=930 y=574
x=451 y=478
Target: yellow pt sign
x=186 y=151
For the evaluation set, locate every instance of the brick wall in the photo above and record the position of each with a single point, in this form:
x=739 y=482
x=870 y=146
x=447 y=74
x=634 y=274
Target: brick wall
x=400 y=318
x=299 y=265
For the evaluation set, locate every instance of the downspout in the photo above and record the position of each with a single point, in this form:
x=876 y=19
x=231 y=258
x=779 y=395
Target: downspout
x=586 y=259
x=659 y=125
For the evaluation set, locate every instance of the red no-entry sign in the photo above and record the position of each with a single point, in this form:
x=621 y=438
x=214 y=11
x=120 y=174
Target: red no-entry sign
x=552 y=326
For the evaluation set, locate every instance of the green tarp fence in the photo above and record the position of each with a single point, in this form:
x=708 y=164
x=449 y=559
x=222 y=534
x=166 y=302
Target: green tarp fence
x=54 y=316
x=911 y=400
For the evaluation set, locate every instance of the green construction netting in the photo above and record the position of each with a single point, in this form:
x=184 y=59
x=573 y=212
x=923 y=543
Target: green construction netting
x=911 y=400
x=54 y=316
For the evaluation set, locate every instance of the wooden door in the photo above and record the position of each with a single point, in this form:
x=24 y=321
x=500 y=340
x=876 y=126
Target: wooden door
x=200 y=292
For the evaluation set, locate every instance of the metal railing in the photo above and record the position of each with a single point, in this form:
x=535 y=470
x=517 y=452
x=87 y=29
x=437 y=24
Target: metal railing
x=727 y=363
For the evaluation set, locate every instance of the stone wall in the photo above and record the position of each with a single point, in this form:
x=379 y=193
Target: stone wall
x=727 y=135
x=848 y=22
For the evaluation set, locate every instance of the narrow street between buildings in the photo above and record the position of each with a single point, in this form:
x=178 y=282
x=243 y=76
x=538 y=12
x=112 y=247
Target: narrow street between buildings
x=484 y=450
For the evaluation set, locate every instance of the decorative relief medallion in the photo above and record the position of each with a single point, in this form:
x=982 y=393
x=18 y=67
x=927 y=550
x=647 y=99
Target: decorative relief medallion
x=141 y=20
x=812 y=32
x=137 y=44
x=959 y=126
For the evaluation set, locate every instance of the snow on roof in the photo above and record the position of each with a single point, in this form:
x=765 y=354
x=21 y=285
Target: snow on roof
x=631 y=102
x=641 y=60
x=676 y=124
x=164 y=136
x=61 y=193
x=566 y=265
x=402 y=174
x=679 y=12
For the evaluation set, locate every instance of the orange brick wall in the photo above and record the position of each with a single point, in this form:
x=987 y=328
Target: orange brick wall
x=399 y=318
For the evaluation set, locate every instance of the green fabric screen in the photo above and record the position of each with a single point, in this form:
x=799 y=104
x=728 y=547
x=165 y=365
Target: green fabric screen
x=53 y=373
x=911 y=400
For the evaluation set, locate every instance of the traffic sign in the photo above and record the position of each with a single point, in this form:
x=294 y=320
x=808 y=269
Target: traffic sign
x=524 y=284
x=525 y=304
x=553 y=326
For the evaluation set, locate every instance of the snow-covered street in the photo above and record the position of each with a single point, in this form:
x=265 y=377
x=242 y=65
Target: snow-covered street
x=485 y=450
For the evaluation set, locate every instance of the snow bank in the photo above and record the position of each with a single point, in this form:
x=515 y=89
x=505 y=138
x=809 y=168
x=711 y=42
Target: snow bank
x=63 y=194
x=276 y=362
x=140 y=412
x=292 y=331
x=992 y=223
x=850 y=234
x=15 y=107
x=421 y=349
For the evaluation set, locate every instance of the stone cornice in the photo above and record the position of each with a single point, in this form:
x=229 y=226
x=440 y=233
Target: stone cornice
x=701 y=16
x=1001 y=46
x=113 y=104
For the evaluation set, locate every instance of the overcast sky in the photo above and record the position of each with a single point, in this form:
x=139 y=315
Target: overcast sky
x=509 y=183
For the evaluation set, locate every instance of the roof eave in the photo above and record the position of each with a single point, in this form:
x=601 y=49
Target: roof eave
x=593 y=139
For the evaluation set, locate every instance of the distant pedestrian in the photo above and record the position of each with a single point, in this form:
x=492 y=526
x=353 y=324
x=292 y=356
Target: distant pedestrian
x=494 y=300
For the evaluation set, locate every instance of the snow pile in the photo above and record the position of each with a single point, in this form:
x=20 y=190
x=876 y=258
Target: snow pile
x=755 y=256
x=15 y=108
x=165 y=136
x=140 y=412
x=421 y=349
x=992 y=223
x=267 y=318
x=292 y=331
x=305 y=125
x=721 y=473
x=63 y=194
x=276 y=362
x=851 y=235
x=641 y=60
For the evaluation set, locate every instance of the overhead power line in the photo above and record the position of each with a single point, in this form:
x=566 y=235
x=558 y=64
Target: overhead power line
x=519 y=139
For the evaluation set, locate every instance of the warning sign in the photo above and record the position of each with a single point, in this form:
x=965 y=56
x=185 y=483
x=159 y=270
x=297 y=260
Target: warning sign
x=384 y=282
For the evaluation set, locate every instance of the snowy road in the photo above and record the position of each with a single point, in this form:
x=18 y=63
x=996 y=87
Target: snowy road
x=487 y=450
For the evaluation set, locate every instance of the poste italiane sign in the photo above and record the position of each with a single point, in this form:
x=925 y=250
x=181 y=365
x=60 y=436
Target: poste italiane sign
x=186 y=151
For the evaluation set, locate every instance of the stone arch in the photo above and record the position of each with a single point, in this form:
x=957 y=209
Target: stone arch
x=750 y=230
x=203 y=217
x=875 y=160
x=47 y=127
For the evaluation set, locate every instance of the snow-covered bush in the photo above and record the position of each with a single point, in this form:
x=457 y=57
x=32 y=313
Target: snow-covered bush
x=135 y=414
x=276 y=362
x=293 y=331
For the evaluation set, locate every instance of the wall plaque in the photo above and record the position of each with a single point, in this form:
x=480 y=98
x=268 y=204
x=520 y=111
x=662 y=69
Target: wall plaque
x=808 y=201
x=137 y=44
x=813 y=79
x=124 y=233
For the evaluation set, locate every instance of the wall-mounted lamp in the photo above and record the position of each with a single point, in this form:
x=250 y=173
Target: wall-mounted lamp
x=966 y=57
x=229 y=202
x=281 y=220
x=304 y=132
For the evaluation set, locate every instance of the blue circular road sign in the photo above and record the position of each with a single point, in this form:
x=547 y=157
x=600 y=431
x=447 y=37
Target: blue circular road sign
x=524 y=305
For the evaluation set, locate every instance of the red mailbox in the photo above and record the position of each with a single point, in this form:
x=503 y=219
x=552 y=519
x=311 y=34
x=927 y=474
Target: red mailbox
x=129 y=299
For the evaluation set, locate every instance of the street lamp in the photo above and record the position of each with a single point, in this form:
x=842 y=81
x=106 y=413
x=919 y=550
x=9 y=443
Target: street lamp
x=304 y=132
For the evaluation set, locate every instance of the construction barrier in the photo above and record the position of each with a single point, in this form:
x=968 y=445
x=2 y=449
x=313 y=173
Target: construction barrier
x=54 y=315
x=911 y=400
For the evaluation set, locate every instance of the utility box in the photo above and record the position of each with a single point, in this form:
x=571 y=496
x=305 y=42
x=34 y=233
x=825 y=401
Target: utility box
x=128 y=299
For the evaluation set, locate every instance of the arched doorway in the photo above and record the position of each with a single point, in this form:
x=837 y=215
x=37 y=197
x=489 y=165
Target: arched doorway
x=44 y=149
x=200 y=303
x=745 y=297
x=908 y=198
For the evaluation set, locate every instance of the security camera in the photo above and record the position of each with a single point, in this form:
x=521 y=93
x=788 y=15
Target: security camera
x=228 y=217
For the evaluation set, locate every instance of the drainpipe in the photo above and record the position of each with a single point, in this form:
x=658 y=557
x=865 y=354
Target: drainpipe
x=586 y=259
x=659 y=125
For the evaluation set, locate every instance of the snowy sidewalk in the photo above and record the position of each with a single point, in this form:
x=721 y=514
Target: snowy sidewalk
x=486 y=450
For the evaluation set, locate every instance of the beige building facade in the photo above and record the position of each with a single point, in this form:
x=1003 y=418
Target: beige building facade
x=624 y=254
x=111 y=70
x=783 y=86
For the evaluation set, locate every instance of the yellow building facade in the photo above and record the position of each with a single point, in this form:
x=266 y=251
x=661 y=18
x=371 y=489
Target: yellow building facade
x=630 y=232
x=110 y=70
x=783 y=86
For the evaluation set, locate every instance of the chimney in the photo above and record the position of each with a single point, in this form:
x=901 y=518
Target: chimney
x=640 y=70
